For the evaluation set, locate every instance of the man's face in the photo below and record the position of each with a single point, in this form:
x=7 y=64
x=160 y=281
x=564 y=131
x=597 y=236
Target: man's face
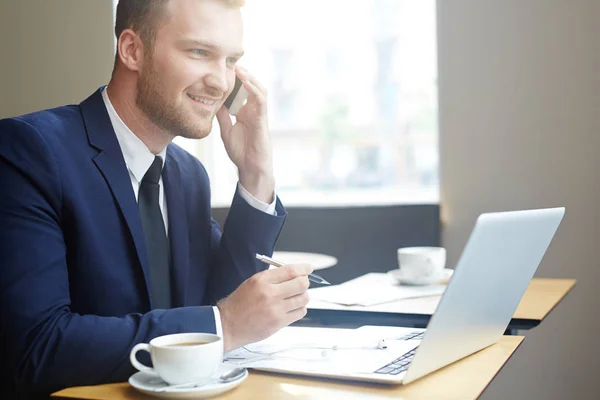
x=187 y=76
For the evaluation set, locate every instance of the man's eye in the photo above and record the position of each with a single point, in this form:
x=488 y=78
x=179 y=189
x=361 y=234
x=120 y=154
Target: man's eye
x=232 y=61
x=199 y=52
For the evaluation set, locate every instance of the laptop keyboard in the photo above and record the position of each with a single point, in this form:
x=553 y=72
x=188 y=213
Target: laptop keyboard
x=401 y=363
x=412 y=336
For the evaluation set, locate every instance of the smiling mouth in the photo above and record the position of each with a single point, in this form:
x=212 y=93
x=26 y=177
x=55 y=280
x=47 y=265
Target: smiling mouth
x=203 y=100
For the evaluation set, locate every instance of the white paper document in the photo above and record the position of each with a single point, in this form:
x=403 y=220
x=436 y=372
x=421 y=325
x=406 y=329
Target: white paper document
x=310 y=350
x=370 y=289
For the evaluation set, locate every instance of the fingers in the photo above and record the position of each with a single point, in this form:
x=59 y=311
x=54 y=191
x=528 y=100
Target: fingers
x=296 y=302
x=256 y=91
x=264 y=303
x=295 y=315
x=245 y=76
x=292 y=287
x=288 y=272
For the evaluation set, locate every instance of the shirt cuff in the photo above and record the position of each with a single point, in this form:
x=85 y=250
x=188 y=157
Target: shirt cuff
x=259 y=205
x=218 y=324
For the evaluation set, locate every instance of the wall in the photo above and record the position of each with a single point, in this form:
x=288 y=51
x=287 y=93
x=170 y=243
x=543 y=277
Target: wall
x=520 y=128
x=52 y=52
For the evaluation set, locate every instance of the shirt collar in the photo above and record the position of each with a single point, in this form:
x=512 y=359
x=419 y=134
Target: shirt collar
x=138 y=157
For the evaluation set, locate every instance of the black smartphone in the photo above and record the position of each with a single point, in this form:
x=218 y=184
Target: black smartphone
x=236 y=98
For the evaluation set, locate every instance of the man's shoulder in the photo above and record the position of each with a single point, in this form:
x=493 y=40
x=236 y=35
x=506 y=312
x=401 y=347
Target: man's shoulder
x=43 y=140
x=47 y=122
x=34 y=143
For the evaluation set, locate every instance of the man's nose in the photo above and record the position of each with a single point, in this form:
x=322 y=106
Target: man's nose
x=217 y=78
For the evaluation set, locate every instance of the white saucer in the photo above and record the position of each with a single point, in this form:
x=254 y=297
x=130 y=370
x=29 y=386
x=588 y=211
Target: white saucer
x=418 y=281
x=147 y=383
x=319 y=261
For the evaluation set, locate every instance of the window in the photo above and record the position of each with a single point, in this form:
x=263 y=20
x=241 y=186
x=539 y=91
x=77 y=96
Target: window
x=352 y=101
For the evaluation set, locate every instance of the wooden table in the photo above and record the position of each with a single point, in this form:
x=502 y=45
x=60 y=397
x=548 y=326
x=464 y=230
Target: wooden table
x=541 y=296
x=465 y=379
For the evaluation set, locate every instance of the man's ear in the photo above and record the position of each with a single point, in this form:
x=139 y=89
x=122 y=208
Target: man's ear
x=131 y=50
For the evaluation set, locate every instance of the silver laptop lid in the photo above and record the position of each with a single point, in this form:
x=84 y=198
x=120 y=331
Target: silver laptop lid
x=493 y=272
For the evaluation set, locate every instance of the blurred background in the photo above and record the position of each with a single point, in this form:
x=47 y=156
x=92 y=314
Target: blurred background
x=352 y=101
x=386 y=116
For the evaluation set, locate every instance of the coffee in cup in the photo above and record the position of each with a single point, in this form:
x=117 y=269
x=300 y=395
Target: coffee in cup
x=421 y=264
x=182 y=357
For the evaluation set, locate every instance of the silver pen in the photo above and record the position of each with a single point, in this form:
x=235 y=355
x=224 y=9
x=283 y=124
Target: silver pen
x=311 y=277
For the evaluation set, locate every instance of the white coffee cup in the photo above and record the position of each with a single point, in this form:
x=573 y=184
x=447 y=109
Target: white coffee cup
x=421 y=264
x=181 y=357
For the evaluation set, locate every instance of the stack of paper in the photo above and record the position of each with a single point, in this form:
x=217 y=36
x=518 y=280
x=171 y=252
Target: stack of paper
x=301 y=350
x=370 y=289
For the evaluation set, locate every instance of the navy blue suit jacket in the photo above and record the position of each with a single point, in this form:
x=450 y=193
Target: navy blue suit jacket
x=74 y=283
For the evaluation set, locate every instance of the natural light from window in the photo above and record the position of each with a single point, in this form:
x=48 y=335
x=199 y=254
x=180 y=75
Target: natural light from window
x=352 y=101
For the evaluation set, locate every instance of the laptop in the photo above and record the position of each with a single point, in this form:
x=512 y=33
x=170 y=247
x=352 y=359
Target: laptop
x=494 y=270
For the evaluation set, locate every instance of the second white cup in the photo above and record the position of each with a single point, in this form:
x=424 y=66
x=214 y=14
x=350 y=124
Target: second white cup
x=422 y=263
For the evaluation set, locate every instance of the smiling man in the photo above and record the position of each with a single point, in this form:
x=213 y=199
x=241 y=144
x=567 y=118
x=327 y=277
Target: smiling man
x=106 y=236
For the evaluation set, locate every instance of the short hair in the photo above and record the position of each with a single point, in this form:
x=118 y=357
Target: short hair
x=144 y=17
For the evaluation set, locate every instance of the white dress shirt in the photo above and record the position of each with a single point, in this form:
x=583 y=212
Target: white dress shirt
x=138 y=159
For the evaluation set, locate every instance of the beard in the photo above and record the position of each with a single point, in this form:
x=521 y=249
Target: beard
x=163 y=112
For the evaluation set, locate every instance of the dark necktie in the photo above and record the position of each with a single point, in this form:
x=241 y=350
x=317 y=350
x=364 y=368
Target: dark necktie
x=157 y=245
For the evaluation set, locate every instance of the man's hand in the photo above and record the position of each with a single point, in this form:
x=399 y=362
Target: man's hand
x=248 y=143
x=263 y=304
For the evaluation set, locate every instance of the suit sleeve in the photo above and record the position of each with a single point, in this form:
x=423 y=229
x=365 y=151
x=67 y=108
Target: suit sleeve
x=246 y=232
x=45 y=346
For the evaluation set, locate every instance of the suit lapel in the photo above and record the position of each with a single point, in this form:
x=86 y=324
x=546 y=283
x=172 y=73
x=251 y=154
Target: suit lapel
x=111 y=164
x=178 y=229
